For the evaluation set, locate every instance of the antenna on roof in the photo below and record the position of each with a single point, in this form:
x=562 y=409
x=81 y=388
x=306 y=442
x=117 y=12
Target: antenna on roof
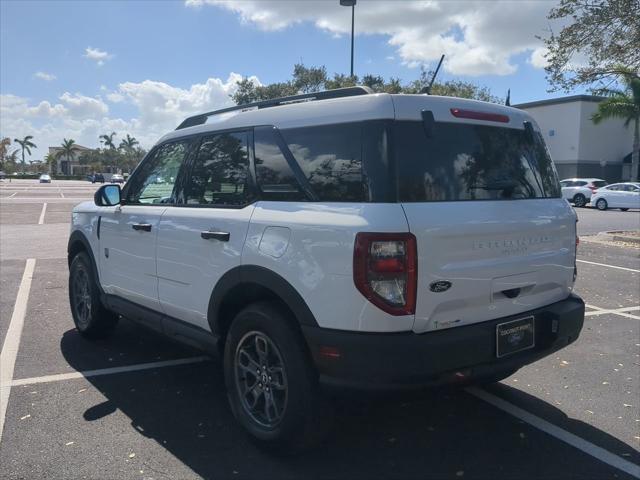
x=507 y=102
x=427 y=90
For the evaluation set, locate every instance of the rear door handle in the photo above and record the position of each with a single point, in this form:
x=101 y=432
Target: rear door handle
x=146 y=227
x=222 y=236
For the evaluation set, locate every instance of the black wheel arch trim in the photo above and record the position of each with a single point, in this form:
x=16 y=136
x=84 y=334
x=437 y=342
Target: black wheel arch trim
x=265 y=278
x=78 y=237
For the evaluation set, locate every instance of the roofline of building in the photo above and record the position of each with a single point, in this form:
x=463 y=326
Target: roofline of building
x=556 y=101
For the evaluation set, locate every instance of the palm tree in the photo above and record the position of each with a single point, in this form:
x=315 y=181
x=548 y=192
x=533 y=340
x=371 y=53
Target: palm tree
x=66 y=150
x=624 y=104
x=51 y=161
x=107 y=140
x=127 y=145
x=25 y=144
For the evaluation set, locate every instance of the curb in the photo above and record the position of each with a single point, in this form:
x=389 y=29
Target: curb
x=618 y=236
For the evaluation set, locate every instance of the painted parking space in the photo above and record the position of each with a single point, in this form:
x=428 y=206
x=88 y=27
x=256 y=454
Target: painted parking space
x=149 y=408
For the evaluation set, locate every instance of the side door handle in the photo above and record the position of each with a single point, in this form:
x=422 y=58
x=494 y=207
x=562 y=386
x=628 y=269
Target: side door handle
x=146 y=227
x=209 y=235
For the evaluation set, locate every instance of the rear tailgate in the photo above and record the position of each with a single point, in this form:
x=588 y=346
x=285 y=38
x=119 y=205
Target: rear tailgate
x=482 y=197
x=501 y=258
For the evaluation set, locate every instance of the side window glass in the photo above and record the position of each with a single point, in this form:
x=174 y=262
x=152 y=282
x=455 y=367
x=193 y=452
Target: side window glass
x=614 y=188
x=157 y=176
x=331 y=158
x=275 y=178
x=219 y=175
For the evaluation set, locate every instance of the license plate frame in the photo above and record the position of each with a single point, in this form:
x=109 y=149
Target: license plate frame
x=524 y=325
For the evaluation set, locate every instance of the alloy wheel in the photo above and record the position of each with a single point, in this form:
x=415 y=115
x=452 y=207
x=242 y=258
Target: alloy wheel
x=261 y=379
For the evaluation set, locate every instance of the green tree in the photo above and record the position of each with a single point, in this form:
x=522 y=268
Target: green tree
x=107 y=140
x=51 y=162
x=313 y=79
x=308 y=79
x=66 y=150
x=598 y=37
x=624 y=104
x=25 y=144
x=129 y=153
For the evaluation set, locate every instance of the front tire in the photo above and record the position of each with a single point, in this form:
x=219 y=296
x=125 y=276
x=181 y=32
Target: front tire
x=92 y=320
x=579 y=200
x=602 y=204
x=271 y=384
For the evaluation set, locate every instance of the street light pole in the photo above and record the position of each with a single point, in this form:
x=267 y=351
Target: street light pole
x=352 y=4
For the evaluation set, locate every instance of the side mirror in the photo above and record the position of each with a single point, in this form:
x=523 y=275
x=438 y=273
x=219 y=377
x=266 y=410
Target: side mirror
x=107 y=196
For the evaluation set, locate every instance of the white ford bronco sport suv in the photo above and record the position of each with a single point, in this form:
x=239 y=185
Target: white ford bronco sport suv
x=343 y=238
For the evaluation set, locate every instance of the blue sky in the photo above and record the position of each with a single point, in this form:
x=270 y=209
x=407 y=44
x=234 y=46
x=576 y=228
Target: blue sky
x=76 y=69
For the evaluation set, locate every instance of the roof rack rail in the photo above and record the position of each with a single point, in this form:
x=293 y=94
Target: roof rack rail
x=336 y=93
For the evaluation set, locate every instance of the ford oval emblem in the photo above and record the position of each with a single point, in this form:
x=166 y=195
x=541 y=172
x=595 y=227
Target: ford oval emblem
x=440 y=286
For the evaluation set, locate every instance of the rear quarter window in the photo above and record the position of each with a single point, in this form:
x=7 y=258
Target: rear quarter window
x=330 y=157
x=471 y=162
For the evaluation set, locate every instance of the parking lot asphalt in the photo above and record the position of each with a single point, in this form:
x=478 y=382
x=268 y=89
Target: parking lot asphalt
x=141 y=407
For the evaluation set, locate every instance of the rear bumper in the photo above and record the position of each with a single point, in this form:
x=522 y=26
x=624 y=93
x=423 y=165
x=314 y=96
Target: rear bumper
x=455 y=355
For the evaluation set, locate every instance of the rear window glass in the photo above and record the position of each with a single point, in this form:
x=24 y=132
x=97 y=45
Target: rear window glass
x=471 y=162
x=599 y=183
x=330 y=158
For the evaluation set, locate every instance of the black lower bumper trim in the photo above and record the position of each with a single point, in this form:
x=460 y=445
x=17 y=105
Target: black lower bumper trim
x=460 y=354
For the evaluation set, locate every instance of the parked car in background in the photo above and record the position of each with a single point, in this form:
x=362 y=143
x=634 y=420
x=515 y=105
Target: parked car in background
x=117 y=178
x=579 y=190
x=96 y=177
x=2 y=175
x=44 y=178
x=617 y=195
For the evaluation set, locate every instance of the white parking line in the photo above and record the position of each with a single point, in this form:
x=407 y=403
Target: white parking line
x=107 y=371
x=615 y=311
x=610 y=266
x=44 y=209
x=61 y=194
x=12 y=340
x=557 y=432
x=12 y=195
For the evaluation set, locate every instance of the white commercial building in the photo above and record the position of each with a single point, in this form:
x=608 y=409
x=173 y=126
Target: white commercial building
x=579 y=147
x=71 y=165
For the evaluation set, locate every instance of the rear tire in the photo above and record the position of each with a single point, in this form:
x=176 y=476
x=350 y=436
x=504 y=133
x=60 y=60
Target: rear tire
x=90 y=316
x=271 y=384
x=624 y=209
x=579 y=200
x=602 y=204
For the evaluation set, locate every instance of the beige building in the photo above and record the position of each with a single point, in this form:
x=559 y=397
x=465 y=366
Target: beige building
x=579 y=147
x=70 y=166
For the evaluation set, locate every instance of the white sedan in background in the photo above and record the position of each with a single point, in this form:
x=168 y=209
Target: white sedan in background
x=617 y=195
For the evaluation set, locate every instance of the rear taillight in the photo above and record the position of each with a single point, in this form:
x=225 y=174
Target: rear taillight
x=385 y=270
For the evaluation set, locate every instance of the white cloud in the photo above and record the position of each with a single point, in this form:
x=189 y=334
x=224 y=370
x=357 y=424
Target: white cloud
x=45 y=76
x=537 y=58
x=99 y=56
x=160 y=107
x=478 y=38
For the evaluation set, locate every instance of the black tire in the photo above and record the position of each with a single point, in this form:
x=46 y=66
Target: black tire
x=579 y=200
x=602 y=204
x=624 y=209
x=302 y=420
x=91 y=318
